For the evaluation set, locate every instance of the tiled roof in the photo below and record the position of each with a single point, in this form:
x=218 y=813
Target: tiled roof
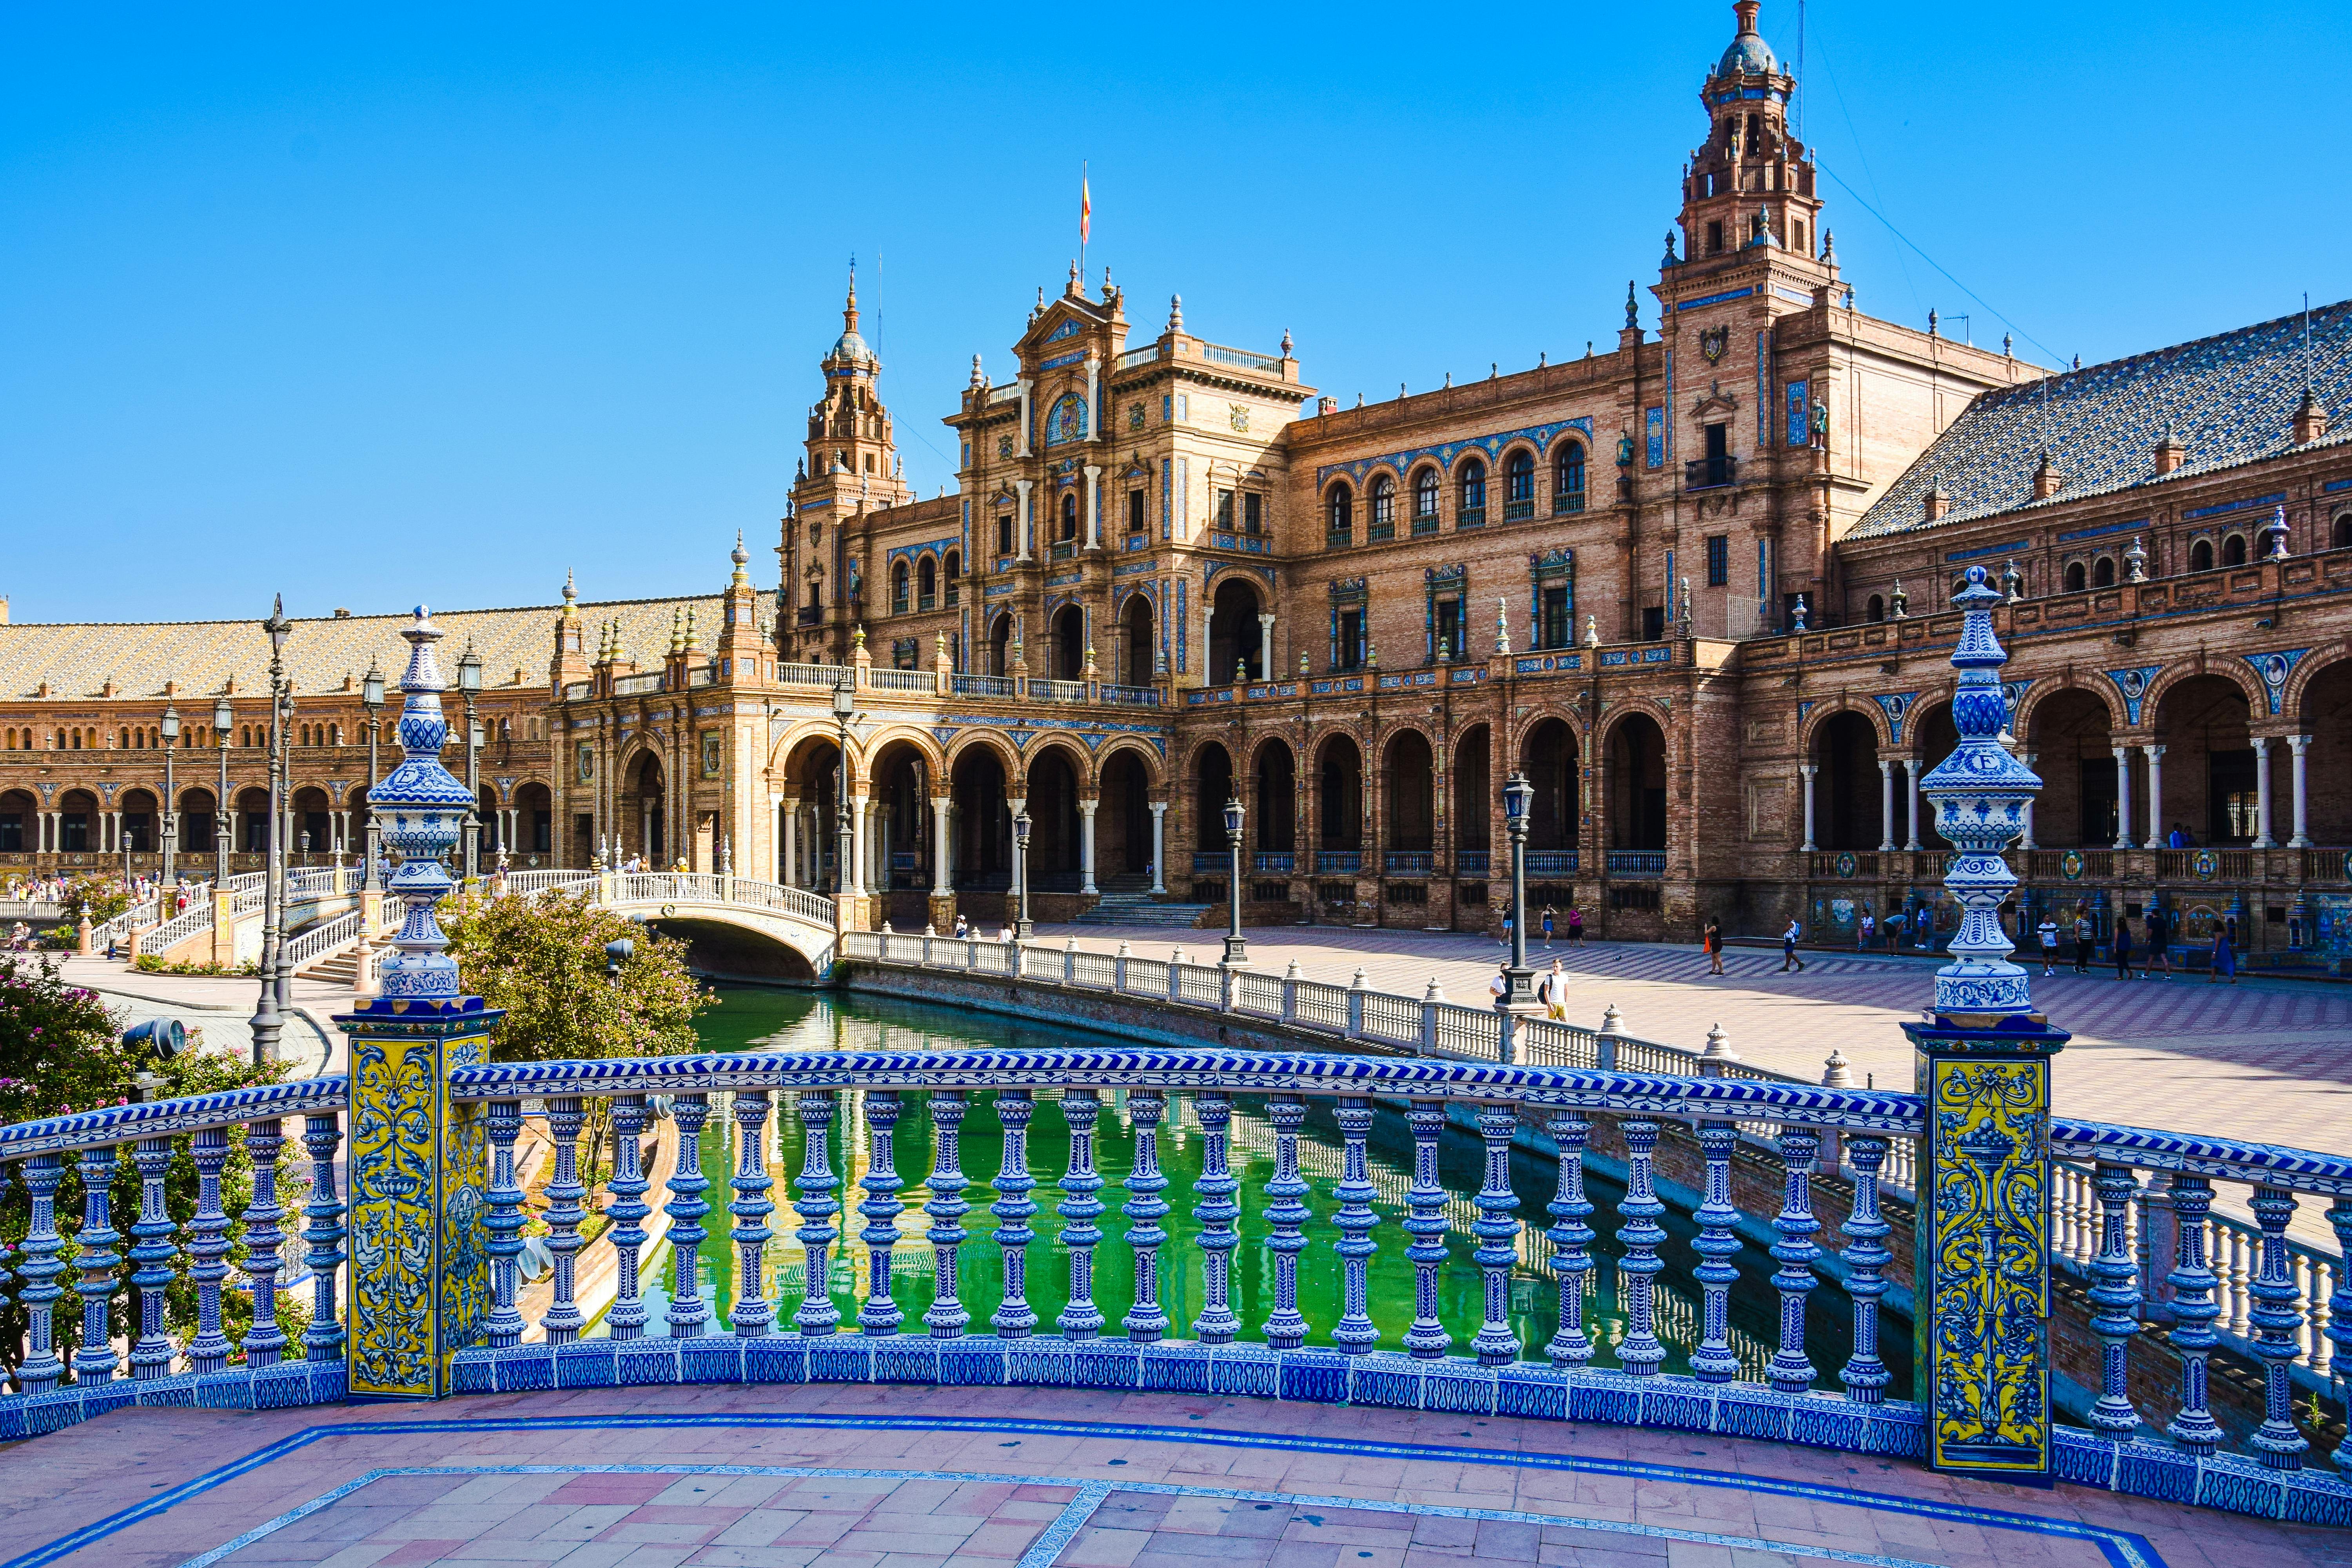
x=76 y=660
x=2229 y=400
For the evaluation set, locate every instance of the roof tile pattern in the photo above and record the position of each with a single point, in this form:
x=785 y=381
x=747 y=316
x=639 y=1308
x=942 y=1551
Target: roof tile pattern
x=2229 y=400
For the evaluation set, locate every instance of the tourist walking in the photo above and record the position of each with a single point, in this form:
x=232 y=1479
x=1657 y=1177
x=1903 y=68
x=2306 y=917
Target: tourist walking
x=2225 y=951
x=1789 y=947
x=1864 y=930
x=1555 y=991
x=2048 y=931
x=1547 y=925
x=2158 y=932
x=1575 y=926
x=2081 y=938
x=1715 y=947
x=1510 y=913
x=2123 y=943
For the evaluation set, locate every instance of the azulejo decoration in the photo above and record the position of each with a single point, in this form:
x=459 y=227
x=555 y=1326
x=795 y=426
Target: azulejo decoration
x=2133 y=685
x=2274 y=669
x=1238 y=416
x=1004 y=446
x=1712 y=341
x=1848 y=864
x=2208 y=864
x=2069 y=864
x=1896 y=706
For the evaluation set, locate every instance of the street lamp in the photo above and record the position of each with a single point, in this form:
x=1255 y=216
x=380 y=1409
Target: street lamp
x=171 y=732
x=224 y=715
x=1022 y=929
x=470 y=686
x=267 y=1020
x=845 y=704
x=371 y=699
x=1518 y=795
x=1237 y=949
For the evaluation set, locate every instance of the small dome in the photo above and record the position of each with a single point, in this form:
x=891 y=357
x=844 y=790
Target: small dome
x=850 y=346
x=1749 y=55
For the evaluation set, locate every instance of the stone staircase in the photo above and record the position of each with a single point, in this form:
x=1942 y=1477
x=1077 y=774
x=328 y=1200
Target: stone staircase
x=339 y=968
x=1128 y=901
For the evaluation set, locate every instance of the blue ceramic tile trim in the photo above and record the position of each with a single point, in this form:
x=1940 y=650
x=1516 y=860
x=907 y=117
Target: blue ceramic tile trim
x=2122 y=1548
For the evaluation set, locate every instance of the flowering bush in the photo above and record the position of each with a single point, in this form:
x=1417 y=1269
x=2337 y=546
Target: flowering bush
x=59 y=1045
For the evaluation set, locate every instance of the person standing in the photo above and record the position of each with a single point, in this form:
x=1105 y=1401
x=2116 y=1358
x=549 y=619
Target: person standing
x=1575 y=926
x=2225 y=951
x=2048 y=931
x=1714 y=946
x=2081 y=938
x=1864 y=930
x=1547 y=925
x=1510 y=913
x=2158 y=932
x=2123 y=945
x=1789 y=947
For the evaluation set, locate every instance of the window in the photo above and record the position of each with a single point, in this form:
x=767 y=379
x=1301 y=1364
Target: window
x=1876 y=610
x=2342 y=536
x=1718 y=560
x=2074 y=583
x=955 y=575
x=1339 y=521
x=1653 y=623
x=2103 y=575
x=1425 y=502
x=2200 y=555
x=1449 y=628
x=1383 y=508
x=1714 y=232
x=1252 y=513
x=1351 y=640
x=898 y=588
x=1004 y=535
x=1557 y=625
x=2233 y=550
x=1519 y=487
x=869 y=462
x=1470 y=510
x=1069 y=514
x=927 y=583
x=1568 y=477
x=1225 y=512
x=1135 y=520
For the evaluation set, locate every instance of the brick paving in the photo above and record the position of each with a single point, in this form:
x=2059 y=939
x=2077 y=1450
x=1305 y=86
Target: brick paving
x=905 y=1478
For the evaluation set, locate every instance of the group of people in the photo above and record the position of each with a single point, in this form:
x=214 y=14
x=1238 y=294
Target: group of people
x=1917 y=924
x=2157 y=931
x=1549 y=923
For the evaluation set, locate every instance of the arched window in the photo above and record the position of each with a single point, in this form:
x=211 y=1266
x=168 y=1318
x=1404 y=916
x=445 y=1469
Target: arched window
x=1877 y=610
x=1339 y=515
x=898 y=588
x=1470 y=509
x=2074 y=581
x=1069 y=514
x=955 y=576
x=1066 y=421
x=1425 y=502
x=2342 y=535
x=2200 y=555
x=1518 y=486
x=927 y=583
x=1383 y=508
x=2233 y=550
x=2103 y=575
x=334 y=735
x=1568 y=477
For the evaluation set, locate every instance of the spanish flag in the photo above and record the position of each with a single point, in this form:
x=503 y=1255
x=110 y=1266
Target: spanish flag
x=1085 y=210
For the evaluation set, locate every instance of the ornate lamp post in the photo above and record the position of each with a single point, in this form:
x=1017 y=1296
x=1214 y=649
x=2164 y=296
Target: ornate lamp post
x=844 y=705
x=469 y=684
x=1518 y=795
x=171 y=818
x=371 y=699
x=1237 y=949
x=1022 y=929
x=267 y=1022
x=224 y=818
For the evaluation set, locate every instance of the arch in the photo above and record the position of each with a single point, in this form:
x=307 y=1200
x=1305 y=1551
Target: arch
x=1469 y=491
x=2236 y=672
x=1876 y=610
x=1069 y=527
x=1050 y=789
x=926 y=581
x=1338 y=791
x=1123 y=778
x=2077 y=580
x=1067 y=631
x=644 y=806
x=1471 y=772
x=902 y=585
x=1066 y=419
x=1055 y=743
x=951 y=569
x=999 y=644
x=1850 y=797
x=252 y=825
x=2339 y=533
x=1274 y=772
x=2204 y=720
x=1870 y=713
x=2233 y=550
x=2200 y=555
x=2103 y=572
x=1634 y=780
x=980 y=770
x=1519 y=483
x=1409 y=790
x=2324 y=705
x=2027 y=720
x=1383 y=494
x=1933 y=735
x=974 y=738
x=199 y=820
x=902 y=774
x=1146 y=757
x=311 y=830
x=1340 y=509
x=1235 y=635
x=1135 y=661
x=78 y=830
x=1567 y=463
x=1425 y=486
x=141 y=821
x=1548 y=758
x=1212 y=784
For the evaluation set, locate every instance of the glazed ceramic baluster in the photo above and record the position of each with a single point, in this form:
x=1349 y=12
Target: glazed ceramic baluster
x=1355 y=1332
x=264 y=1341
x=1215 y=1210
x=2114 y=1295
x=152 y=1251
x=627 y=1212
x=207 y=1252
x=1712 y=1360
x=814 y=1202
x=1146 y=1320
x=43 y=1368
x=1865 y=1255
x=1571 y=1241
x=880 y=1316
x=2339 y=1320
x=690 y=1314
x=1081 y=1319
x=324 y=1233
x=946 y=1316
x=564 y=1320
x=2274 y=1318
x=1640 y=1353
x=503 y=1124
x=1796 y=1252
x=1014 y=1317
x=1498 y=1230
x=7 y=1256
x=1424 y=1221
x=1286 y=1328
x=2194 y=1310
x=94 y=1359
x=753 y=1314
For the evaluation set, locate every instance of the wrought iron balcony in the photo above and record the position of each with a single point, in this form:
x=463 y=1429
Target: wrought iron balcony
x=1710 y=473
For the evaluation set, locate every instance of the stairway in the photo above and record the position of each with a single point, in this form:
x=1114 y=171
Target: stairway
x=1127 y=900
x=339 y=968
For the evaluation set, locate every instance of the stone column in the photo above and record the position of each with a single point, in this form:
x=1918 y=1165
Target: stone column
x=2302 y=746
x=2027 y=841
x=2155 y=798
x=1266 y=669
x=1086 y=845
x=851 y=875
x=2123 y=798
x=1885 y=803
x=113 y=832
x=1159 y=841
x=1094 y=505
x=1013 y=805
x=1911 y=787
x=788 y=871
x=1024 y=383
x=1021 y=522
x=942 y=868
x=2263 y=793
x=1809 y=770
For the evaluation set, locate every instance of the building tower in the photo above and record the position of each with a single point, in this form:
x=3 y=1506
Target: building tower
x=1752 y=183
x=850 y=467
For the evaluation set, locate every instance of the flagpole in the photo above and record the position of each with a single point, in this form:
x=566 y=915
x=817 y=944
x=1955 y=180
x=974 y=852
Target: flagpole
x=1085 y=198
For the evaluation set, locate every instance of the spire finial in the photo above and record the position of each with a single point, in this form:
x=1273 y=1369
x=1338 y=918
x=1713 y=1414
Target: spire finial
x=693 y=639
x=1175 y=313
x=743 y=558
x=849 y=310
x=677 y=629
x=1076 y=286
x=979 y=377
x=1286 y=343
x=570 y=596
x=1632 y=309
x=425 y=803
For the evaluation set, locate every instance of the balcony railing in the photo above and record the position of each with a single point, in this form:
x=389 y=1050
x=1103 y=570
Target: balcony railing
x=1277 y=862
x=1057 y=691
x=1217 y=353
x=808 y=674
x=810 y=614
x=1470 y=862
x=982 y=685
x=1212 y=862
x=1470 y=517
x=902 y=680
x=1710 y=473
x=1339 y=862
x=1518 y=510
x=1339 y=538
x=1408 y=862
x=1551 y=862
x=1637 y=862
x=1129 y=696
x=638 y=685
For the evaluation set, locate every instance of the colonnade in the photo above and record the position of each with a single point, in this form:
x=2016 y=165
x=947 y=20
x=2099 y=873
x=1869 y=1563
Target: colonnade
x=873 y=831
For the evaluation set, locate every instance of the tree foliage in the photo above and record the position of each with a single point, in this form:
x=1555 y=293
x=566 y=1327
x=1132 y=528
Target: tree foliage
x=543 y=960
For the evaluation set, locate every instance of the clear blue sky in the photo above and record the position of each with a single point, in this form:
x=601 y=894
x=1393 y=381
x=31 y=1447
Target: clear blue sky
x=431 y=302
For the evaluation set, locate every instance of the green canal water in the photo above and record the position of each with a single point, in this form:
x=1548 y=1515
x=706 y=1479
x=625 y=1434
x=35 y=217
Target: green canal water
x=760 y=1019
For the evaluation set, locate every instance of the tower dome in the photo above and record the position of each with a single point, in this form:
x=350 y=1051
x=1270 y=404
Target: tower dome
x=850 y=347
x=1749 y=55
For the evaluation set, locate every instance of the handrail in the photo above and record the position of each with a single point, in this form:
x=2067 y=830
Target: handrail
x=325 y=936
x=157 y=1118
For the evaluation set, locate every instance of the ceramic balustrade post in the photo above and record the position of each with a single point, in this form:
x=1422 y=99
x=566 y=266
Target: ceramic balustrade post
x=1216 y=1210
x=95 y=1259
x=2339 y=1322
x=627 y=1212
x=1712 y=1361
x=7 y=1256
x=1864 y=1375
x=2274 y=1318
x=689 y=1313
x=2115 y=1296
x=1424 y=1221
x=503 y=1125
x=43 y=1369
x=1571 y=1347
x=152 y=1252
x=1641 y=1353
x=880 y=1316
x=1285 y=1217
x=264 y=1341
x=946 y=1207
x=1146 y=1320
x=207 y=1253
x=566 y=1192
x=814 y=1199
x=324 y=1234
x=1014 y=1318
x=1498 y=1230
x=1796 y=1252
x=2194 y=1310
x=1080 y=1319
x=1355 y=1332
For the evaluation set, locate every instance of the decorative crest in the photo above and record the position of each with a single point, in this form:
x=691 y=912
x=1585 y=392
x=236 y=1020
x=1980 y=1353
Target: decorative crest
x=420 y=805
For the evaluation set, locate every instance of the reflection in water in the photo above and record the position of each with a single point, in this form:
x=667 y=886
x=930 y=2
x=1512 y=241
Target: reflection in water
x=757 y=1019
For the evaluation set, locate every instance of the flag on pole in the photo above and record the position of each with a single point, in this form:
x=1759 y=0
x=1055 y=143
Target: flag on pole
x=1085 y=210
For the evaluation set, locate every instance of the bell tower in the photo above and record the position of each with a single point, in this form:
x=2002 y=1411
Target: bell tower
x=851 y=468
x=1752 y=183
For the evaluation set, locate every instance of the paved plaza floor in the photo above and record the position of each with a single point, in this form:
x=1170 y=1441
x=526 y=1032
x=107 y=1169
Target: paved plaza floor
x=906 y=1478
